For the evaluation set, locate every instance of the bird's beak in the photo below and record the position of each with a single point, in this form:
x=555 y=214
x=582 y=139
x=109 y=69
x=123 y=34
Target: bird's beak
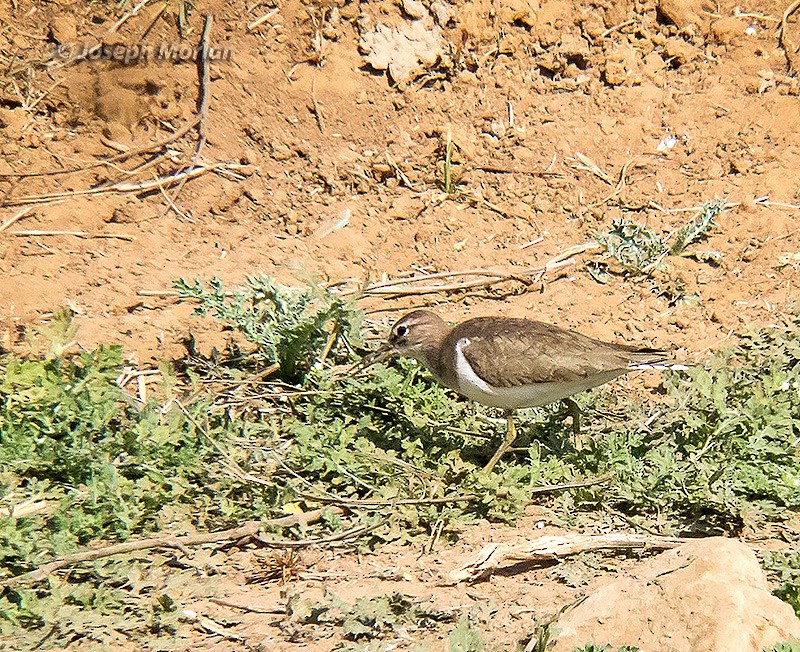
x=381 y=354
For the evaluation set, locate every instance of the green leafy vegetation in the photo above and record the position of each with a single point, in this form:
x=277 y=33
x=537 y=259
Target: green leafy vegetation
x=784 y=569
x=293 y=328
x=785 y=646
x=464 y=638
x=639 y=249
x=279 y=423
x=366 y=619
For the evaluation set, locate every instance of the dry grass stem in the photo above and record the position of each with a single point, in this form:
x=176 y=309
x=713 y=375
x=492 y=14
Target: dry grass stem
x=15 y=218
x=77 y=234
x=248 y=530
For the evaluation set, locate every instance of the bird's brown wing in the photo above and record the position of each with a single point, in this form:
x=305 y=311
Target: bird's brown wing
x=512 y=352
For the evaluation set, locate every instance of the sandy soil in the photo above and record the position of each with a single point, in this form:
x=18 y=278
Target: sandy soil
x=674 y=105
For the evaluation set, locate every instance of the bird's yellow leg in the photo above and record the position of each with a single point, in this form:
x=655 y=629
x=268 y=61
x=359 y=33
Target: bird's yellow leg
x=511 y=435
x=575 y=412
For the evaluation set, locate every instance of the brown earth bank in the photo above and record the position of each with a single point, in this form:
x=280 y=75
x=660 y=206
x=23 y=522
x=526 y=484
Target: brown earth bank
x=562 y=116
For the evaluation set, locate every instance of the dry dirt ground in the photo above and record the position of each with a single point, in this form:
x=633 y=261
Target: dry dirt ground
x=563 y=115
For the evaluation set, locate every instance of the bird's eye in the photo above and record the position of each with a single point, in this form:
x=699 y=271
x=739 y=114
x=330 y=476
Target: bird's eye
x=401 y=331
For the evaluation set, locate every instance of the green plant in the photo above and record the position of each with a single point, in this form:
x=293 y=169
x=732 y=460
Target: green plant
x=785 y=646
x=463 y=638
x=785 y=569
x=639 y=249
x=367 y=619
x=293 y=328
x=719 y=450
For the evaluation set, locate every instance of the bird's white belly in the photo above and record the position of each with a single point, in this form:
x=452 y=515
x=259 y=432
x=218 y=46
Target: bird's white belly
x=474 y=387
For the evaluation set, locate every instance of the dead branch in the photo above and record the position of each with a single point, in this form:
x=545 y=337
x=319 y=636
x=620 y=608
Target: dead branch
x=15 y=218
x=127 y=15
x=547 y=489
x=24 y=509
x=339 y=536
x=203 y=96
x=551 y=548
x=248 y=530
x=585 y=163
x=200 y=113
x=144 y=186
x=784 y=42
x=482 y=278
x=486 y=278
x=496 y=168
x=354 y=502
x=248 y=607
x=145 y=149
x=77 y=234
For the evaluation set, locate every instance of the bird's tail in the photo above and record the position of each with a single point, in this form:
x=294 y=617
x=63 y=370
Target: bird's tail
x=655 y=359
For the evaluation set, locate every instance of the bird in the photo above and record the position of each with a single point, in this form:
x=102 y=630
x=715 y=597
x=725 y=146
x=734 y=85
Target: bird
x=512 y=363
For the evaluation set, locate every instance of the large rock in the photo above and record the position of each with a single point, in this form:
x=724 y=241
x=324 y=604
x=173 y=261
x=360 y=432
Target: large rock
x=709 y=595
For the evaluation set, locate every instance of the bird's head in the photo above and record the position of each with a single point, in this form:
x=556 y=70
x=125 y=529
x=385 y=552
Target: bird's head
x=415 y=333
x=412 y=336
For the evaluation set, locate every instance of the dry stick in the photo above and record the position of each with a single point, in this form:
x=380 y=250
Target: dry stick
x=531 y=275
x=202 y=105
x=114 y=159
x=502 y=169
x=614 y=28
x=203 y=76
x=14 y=218
x=340 y=536
x=153 y=22
x=397 y=287
x=77 y=234
x=794 y=6
x=126 y=16
x=399 y=172
x=248 y=530
x=589 y=165
x=43 y=94
x=315 y=106
x=600 y=479
x=354 y=502
x=247 y=607
x=550 y=548
x=237 y=470
x=262 y=19
x=143 y=186
x=24 y=509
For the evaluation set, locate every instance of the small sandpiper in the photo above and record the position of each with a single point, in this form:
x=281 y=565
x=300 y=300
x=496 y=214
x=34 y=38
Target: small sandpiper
x=513 y=363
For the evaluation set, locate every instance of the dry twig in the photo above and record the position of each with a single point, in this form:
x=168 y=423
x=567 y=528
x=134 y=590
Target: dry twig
x=497 y=168
x=144 y=186
x=550 y=548
x=787 y=47
x=203 y=95
x=126 y=16
x=15 y=218
x=248 y=530
x=585 y=163
x=146 y=149
x=77 y=234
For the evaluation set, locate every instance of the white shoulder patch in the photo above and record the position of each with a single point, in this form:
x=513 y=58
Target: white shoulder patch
x=467 y=378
